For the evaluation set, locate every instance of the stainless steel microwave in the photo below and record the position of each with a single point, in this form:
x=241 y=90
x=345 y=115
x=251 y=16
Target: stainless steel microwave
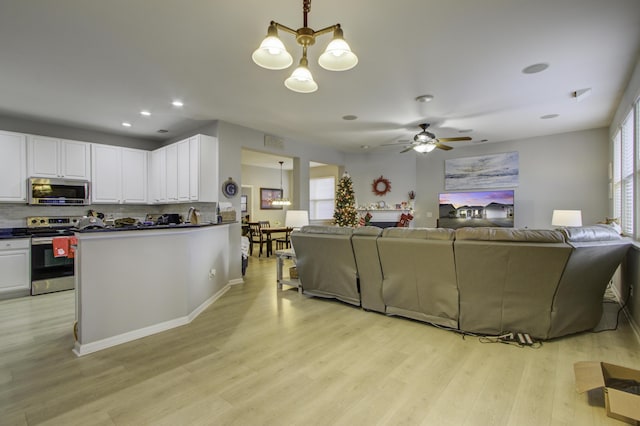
x=58 y=192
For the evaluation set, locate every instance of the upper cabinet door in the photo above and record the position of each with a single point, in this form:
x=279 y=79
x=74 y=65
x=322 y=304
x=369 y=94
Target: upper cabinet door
x=13 y=170
x=183 y=170
x=43 y=157
x=56 y=158
x=75 y=160
x=106 y=174
x=172 y=172
x=134 y=176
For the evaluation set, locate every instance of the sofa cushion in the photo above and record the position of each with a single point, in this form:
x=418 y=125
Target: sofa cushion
x=420 y=233
x=320 y=229
x=510 y=234
x=599 y=232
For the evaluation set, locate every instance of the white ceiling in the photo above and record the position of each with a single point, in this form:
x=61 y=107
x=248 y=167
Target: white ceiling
x=94 y=64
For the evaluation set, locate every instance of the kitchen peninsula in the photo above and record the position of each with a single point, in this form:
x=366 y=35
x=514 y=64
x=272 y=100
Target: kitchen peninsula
x=137 y=282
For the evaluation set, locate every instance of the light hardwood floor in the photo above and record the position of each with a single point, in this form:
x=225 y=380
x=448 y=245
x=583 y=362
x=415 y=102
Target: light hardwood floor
x=262 y=356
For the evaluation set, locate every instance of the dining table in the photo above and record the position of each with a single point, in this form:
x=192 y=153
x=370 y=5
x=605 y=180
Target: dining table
x=269 y=231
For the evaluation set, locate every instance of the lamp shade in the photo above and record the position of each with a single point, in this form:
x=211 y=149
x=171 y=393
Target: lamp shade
x=296 y=219
x=566 y=218
x=301 y=80
x=426 y=147
x=272 y=54
x=338 y=56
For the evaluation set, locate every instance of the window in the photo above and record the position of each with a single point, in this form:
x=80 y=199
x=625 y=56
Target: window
x=626 y=172
x=322 y=193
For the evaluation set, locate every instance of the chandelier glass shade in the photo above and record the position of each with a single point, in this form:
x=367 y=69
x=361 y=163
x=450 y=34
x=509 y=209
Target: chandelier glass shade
x=426 y=147
x=272 y=53
x=282 y=201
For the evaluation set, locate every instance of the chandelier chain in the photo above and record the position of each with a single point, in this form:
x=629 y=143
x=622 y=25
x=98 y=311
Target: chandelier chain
x=306 y=8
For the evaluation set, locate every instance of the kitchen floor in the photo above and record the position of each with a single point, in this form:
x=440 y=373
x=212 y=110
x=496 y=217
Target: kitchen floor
x=264 y=356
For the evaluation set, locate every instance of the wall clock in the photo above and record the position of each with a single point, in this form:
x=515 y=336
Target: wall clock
x=381 y=186
x=230 y=188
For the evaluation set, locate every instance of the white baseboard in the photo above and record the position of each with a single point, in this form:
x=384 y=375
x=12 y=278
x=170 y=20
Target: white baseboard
x=88 y=348
x=236 y=281
x=197 y=311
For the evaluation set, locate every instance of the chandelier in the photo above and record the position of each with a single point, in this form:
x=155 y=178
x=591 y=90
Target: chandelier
x=273 y=55
x=282 y=201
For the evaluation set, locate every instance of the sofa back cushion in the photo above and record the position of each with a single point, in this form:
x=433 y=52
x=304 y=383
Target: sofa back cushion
x=419 y=274
x=507 y=280
x=325 y=262
x=510 y=234
x=599 y=232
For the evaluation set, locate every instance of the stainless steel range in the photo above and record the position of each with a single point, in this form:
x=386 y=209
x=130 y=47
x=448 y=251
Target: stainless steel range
x=50 y=273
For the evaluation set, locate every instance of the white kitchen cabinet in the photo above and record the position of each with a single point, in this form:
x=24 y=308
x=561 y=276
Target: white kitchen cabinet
x=172 y=172
x=13 y=167
x=204 y=185
x=15 y=265
x=58 y=158
x=119 y=175
x=185 y=171
x=158 y=176
x=184 y=160
x=106 y=174
x=134 y=176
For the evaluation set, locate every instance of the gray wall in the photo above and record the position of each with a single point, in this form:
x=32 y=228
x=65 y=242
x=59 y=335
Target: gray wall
x=565 y=171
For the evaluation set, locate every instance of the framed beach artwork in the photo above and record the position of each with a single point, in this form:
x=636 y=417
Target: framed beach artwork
x=486 y=171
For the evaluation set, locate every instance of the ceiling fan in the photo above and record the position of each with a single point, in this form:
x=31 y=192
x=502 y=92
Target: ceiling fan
x=426 y=141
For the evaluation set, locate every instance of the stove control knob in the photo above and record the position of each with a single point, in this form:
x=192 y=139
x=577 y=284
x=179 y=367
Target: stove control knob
x=34 y=221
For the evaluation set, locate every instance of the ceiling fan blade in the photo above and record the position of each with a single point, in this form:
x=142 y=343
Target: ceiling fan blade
x=445 y=147
x=397 y=144
x=461 y=138
x=409 y=148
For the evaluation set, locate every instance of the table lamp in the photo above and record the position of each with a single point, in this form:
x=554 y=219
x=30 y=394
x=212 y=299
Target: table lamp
x=566 y=218
x=296 y=219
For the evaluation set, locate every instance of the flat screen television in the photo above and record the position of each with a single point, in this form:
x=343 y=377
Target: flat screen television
x=477 y=208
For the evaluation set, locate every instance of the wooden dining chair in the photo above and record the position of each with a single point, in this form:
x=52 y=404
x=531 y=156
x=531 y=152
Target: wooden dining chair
x=255 y=236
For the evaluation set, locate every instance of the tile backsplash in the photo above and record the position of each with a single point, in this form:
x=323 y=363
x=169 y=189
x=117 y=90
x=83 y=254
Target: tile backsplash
x=14 y=215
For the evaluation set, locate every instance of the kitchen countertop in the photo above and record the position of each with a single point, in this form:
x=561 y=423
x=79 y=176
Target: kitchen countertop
x=150 y=227
x=7 y=234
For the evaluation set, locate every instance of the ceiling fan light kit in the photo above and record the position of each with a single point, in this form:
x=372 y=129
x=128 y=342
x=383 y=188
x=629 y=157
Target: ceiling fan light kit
x=425 y=142
x=273 y=55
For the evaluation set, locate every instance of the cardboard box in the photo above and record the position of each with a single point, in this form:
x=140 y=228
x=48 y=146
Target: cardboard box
x=619 y=385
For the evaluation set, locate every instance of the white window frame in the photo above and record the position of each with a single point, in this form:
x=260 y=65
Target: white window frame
x=314 y=199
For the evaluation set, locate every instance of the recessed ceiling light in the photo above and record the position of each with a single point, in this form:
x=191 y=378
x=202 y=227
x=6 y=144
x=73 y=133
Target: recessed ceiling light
x=126 y=124
x=364 y=146
x=465 y=131
x=145 y=113
x=548 y=116
x=424 y=98
x=535 y=68
x=177 y=103
x=349 y=117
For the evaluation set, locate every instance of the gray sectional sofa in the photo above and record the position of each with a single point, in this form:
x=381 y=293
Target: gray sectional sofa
x=547 y=283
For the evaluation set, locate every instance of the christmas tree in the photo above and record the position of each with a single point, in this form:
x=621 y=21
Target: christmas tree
x=345 y=213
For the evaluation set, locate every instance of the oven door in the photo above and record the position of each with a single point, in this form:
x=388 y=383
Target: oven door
x=49 y=273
